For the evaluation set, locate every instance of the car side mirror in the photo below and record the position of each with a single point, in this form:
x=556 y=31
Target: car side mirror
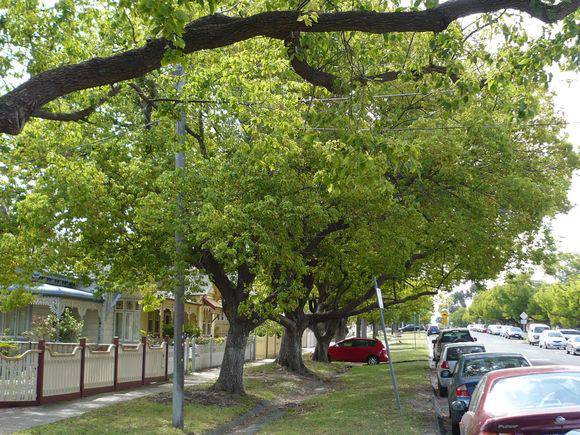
x=433 y=341
x=474 y=339
x=458 y=406
x=446 y=374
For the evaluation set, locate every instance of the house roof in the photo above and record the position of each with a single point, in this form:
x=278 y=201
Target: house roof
x=211 y=303
x=66 y=292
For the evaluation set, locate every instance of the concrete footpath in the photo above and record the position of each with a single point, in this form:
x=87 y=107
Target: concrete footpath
x=17 y=419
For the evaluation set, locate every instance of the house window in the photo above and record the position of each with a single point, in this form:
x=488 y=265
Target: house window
x=207 y=320
x=127 y=320
x=14 y=323
x=153 y=321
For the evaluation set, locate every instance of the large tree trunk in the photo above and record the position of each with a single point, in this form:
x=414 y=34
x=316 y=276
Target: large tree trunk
x=363 y=328
x=290 y=355
x=231 y=374
x=375 y=330
x=324 y=332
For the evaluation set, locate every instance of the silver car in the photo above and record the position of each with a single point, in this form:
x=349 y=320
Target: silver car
x=573 y=345
x=449 y=357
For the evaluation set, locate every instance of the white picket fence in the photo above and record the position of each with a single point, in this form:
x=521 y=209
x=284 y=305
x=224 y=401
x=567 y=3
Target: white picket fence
x=47 y=372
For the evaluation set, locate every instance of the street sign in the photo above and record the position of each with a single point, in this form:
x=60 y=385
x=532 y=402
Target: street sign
x=523 y=316
x=444 y=317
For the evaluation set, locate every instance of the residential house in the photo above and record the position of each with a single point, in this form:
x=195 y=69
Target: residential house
x=106 y=315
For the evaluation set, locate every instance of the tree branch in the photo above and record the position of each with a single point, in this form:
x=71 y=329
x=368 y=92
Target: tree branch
x=214 y=31
x=78 y=115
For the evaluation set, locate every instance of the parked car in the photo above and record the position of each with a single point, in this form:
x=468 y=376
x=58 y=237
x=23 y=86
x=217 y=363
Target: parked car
x=573 y=345
x=528 y=400
x=469 y=370
x=503 y=330
x=432 y=330
x=552 y=339
x=569 y=333
x=366 y=350
x=534 y=331
x=514 y=332
x=494 y=329
x=448 y=336
x=449 y=358
x=410 y=327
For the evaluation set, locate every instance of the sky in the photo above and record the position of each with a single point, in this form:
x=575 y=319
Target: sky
x=567 y=99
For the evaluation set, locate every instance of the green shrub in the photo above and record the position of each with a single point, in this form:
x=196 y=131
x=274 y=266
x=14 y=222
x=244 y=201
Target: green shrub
x=7 y=348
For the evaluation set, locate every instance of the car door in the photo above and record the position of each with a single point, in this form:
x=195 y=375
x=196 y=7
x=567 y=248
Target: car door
x=359 y=349
x=346 y=351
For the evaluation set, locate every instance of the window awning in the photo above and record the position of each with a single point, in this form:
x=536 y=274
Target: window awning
x=214 y=305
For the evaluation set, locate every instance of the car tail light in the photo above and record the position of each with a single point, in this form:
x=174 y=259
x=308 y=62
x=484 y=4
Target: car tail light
x=461 y=391
x=444 y=365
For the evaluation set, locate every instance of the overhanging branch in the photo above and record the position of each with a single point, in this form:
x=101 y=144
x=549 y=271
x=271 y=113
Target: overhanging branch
x=214 y=31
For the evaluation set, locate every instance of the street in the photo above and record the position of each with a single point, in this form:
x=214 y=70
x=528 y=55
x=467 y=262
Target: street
x=495 y=343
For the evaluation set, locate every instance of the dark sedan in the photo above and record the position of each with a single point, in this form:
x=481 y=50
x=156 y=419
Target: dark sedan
x=410 y=327
x=448 y=336
x=469 y=370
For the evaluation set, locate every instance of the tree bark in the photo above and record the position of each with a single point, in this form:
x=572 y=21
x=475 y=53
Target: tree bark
x=375 y=330
x=290 y=355
x=231 y=374
x=324 y=332
x=363 y=328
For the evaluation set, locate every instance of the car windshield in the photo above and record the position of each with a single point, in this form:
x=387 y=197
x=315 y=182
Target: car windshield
x=515 y=329
x=554 y=334
x=540 y=328
x=575 y=339
x=570 y=331
x=454 y=353
x=477 y=367
x=455 y=336
x=536 y=391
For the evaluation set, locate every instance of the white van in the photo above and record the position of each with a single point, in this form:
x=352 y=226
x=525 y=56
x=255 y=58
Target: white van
x=534 y=331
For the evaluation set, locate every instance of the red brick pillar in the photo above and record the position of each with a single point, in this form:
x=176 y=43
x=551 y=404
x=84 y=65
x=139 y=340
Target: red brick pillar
x=144 y=341
x=83 y=345
x=166 y=339
x=116 y=364
x=40 y=371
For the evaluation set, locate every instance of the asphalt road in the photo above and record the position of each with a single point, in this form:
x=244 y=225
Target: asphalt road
x=494 y=343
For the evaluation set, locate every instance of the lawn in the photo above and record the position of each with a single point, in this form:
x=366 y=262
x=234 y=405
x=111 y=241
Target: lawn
x=365 y=403
x=339 y=399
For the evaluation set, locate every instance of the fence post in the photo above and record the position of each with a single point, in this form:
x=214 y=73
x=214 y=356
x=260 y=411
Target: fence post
x=40 y=371
x=255 y=347
x=116 y=364
x=275 y=350
x=144 y=342
x=186 y=355
x=267 y=340
x=166 y=339
x=192 y=354
x=83 y=345
x=210 y=351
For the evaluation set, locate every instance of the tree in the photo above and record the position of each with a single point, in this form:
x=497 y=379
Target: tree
x=91 y=63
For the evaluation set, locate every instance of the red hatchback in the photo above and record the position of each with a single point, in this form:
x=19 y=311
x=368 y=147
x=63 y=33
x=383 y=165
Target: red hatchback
x=526 y=400
x=366 y=350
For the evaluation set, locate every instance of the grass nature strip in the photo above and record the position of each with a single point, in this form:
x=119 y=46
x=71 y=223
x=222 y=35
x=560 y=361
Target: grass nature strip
x=358 y=400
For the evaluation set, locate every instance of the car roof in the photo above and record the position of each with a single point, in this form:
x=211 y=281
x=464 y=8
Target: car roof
x=520 y=371
x=455 y=329
x=464 y=344
x=490 y=355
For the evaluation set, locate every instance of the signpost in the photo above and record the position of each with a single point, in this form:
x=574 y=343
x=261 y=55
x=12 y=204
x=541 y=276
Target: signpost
x=391 y=368
x=524 y=319
x=444 y=317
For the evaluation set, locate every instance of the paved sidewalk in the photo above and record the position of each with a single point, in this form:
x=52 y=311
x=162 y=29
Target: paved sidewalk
x=17 y=419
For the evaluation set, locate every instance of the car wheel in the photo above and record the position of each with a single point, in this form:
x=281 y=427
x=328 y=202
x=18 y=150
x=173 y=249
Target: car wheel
x=442 y=390
x=372 y=360
x=455 y=428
